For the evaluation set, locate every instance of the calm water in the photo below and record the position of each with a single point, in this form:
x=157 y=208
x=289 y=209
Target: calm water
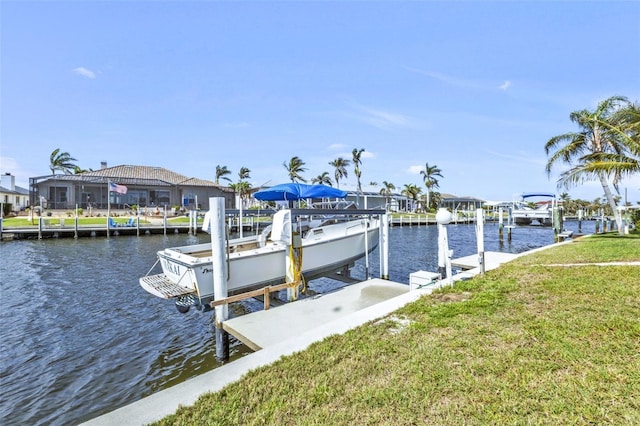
x=80 y=338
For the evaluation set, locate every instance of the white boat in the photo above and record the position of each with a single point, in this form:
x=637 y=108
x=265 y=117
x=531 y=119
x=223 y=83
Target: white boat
x=522 y=214
x=327 y=243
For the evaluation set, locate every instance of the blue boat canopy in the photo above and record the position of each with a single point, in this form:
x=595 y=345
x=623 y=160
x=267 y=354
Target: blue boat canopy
x=298 y=191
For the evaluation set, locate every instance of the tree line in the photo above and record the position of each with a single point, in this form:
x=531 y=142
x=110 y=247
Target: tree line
x=605 y=148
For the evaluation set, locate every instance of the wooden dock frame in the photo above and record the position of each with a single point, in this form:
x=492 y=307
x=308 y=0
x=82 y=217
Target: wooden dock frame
x=265 y=292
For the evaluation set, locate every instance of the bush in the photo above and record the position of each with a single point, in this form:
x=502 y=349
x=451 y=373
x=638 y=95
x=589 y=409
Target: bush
x=6 y=208
x=635 y=218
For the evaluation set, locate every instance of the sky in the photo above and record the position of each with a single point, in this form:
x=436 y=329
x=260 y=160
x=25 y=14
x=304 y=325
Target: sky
x=474 y=87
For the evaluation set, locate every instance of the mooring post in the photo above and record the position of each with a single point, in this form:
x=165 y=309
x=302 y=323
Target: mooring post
x=500 y=224
x=480 y=238
x=580 y=213
x=219 y=265
x=75 y=229
x=164 y=220
x=443 y=217
x=384 y=246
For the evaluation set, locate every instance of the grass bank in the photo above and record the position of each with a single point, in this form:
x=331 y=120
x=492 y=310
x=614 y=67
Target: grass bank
x=532 y=342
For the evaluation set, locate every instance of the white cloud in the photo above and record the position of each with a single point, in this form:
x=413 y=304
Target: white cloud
x=415 y=170
x=505 y=85
x=337 y=147
x=458 y=82
x=237 y=125
x=85 y=72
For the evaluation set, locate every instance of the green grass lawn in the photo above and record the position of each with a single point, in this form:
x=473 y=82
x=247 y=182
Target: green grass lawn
x=528 y=343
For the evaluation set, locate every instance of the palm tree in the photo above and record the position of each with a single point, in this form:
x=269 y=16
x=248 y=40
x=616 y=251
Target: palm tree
x=244 y=173
x=411 y=191
x=62 y=161
x=294 y=168
x=243 y=189
x=600 y=150
x=386 y=190
x=340 y=164
x=222 y=172
x=356 y=153
x=430 y=181
x=323 y=179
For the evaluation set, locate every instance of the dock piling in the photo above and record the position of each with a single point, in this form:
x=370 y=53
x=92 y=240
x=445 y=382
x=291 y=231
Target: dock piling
x=220 y=291
x=384 y=247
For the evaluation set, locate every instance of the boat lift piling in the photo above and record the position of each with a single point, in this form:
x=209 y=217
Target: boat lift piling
x=500 y=224
x=218 y=258
x=384 y=246
x=480 y=238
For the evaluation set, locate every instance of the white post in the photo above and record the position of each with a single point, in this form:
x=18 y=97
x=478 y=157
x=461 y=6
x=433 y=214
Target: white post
x=366 y=247
x=384 y=246
x=442 y=242
x=480 y=238
x=443 y=217
x=75 y=232
x=219 y=266
x=500 y=224
x=240 y=218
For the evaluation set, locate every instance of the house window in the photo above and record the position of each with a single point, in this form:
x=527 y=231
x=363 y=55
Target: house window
x=159 y=198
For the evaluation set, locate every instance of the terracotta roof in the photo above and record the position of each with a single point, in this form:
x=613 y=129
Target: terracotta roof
x=138 y=172
x=128 y=173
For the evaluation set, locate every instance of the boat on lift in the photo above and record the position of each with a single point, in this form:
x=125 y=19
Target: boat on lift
x=328 y=239
x=523 y=214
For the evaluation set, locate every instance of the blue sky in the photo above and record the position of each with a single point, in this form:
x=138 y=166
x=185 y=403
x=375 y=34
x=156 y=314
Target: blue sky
x=476 y=88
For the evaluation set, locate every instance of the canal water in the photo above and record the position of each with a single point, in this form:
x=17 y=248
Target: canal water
x=80 y=338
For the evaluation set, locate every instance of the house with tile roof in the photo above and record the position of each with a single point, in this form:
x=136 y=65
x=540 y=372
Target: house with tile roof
x=142 y=186
x=13 y=195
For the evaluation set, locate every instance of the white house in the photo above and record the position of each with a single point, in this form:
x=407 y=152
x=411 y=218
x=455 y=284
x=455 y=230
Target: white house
x=11 y=194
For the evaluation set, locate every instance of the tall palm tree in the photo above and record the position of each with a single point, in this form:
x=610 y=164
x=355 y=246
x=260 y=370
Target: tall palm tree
x=429 y=174
x=323 y=179
x=222 y=172
x=386 y=190
x=62 y=161
x=596 y=151
x=294 y=168
x=340 y=164
x=356 y=153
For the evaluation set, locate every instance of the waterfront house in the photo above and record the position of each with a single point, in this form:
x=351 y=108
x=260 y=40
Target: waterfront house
x=147 y=187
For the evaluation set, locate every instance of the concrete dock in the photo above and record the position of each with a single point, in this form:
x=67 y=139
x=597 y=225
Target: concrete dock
x=347 y=308
x=291 y=328
x=261 y=329
x=492 y=259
